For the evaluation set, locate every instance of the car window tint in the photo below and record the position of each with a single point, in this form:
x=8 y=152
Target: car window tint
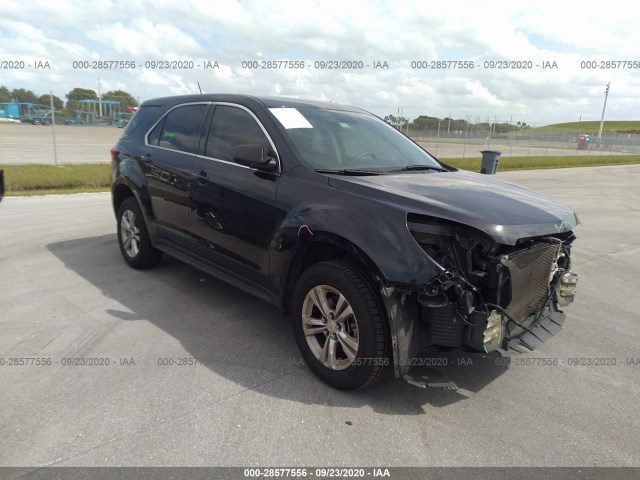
x=230 y=127
x=154 y=136
x=182 y=127
x=144 y=115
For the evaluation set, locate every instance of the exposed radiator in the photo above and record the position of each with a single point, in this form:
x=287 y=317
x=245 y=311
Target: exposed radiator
x=530 y=272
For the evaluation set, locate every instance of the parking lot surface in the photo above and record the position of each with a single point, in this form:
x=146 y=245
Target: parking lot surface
x=22 y=143
x=188 y=371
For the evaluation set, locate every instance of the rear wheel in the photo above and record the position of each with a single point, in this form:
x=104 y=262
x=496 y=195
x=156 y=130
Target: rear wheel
x=339 y=326
x=47 y=121
x=36 y=121
x=133 y=237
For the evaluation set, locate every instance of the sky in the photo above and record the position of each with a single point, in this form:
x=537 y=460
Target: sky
x=389 y=54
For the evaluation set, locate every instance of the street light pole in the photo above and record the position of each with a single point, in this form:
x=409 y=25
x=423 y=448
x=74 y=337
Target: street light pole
x=606 y=94
x=99 y=99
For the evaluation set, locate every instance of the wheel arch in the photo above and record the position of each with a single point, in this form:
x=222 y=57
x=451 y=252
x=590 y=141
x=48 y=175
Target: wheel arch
x=120 y=193
x=325 y=247
x=128 y=179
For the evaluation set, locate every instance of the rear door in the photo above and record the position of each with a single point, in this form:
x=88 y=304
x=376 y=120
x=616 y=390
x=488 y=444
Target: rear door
x=171 y=148
x=232 y=217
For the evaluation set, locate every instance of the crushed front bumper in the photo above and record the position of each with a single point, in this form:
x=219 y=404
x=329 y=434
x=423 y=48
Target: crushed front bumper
x=537 y=333
x=403 y=314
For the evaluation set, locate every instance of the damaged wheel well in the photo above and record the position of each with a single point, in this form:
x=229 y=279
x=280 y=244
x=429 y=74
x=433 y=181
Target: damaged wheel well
x=316 y=252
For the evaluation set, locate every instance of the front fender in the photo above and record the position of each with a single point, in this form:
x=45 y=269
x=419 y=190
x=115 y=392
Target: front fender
x=377 y=233
x=392 y=258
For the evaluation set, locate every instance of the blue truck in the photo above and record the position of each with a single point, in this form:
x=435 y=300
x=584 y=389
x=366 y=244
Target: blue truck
x=35 y=113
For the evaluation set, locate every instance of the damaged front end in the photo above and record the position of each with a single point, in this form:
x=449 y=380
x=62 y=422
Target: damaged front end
x=487 y=295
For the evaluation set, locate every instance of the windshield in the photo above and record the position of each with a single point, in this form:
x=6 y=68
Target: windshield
x=338 y=140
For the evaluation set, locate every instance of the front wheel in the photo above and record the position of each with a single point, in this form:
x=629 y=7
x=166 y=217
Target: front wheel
x=338 y=323
x=133 y=236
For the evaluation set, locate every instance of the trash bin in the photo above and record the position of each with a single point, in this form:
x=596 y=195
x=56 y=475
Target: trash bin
x=490 y=160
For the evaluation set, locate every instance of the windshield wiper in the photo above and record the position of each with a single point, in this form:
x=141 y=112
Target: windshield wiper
x=419 y=167
x=350 y=171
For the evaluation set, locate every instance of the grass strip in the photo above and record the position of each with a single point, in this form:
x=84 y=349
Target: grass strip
x=535 y=163
x=36 y=179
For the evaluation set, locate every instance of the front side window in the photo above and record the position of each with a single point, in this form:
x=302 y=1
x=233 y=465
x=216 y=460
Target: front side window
x=230 y=127
x=181 y=128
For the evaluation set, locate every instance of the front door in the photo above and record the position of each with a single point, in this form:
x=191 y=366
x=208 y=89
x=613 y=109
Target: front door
x=232 y=216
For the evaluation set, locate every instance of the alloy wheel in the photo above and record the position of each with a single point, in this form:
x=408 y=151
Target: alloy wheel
x=330 y=327
x=130 y=233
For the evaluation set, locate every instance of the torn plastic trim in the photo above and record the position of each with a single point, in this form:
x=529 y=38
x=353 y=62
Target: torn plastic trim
x=537 y=332
x=424 y=377
x=402 y=313
x=406 y=288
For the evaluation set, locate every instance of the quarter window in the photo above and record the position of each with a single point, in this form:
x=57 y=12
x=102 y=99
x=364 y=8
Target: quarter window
x=230 y=127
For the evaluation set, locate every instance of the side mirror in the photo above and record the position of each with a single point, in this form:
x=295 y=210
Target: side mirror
x=254 y=156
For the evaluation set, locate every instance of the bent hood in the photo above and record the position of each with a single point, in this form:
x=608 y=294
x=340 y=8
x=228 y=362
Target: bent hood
x=504 y=211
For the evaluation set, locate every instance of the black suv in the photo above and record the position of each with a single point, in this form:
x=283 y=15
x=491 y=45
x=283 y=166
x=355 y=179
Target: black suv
x=377 y=251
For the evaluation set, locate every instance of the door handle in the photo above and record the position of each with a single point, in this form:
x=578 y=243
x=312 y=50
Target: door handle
x=147 y=158
x=200 y=176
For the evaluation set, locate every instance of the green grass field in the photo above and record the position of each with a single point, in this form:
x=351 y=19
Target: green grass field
x=630 y=126
x=45 y=179
x=35 y=179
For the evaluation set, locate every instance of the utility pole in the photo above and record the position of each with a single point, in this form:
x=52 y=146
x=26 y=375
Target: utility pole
x=53 y=128
x=405 y=123
x=99 y=99
x=606 y=94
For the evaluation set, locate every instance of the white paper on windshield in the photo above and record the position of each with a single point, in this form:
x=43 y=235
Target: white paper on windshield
x=290 y=118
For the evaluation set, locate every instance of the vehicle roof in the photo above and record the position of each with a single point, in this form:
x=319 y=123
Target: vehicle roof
x=249 y=100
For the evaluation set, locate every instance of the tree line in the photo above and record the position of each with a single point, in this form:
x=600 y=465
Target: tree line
x=72 y=98
x=425 y=123
x=420 y=123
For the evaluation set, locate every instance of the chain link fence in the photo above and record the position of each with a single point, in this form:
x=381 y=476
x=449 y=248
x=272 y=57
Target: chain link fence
x=527 y=142
x=83 y=126
x=46 y=129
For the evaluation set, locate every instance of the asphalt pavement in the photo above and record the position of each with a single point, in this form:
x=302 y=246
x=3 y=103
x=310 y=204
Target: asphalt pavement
x=187 y=371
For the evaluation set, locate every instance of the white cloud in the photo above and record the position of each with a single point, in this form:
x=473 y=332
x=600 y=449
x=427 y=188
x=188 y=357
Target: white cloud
x=145 y=38
x=397 y=32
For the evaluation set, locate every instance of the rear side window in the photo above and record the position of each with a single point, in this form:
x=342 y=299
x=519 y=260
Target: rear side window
x=180 y=130
x=230 y=127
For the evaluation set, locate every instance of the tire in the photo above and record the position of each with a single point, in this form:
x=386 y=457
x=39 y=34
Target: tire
x=348 y=349
x=133 y=237
x=36 y=121
x=47 y=121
